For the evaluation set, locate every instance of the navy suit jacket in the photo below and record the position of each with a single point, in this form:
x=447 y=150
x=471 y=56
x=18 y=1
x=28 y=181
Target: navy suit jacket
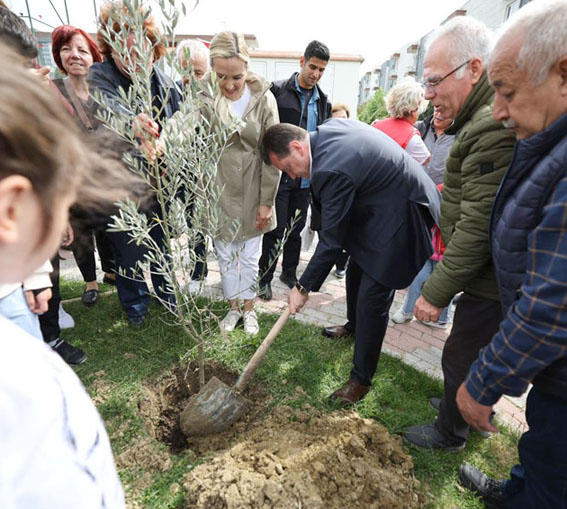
x=375 y=201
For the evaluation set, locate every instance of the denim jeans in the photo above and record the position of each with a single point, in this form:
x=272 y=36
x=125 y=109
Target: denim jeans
x=133 y=292
x=15 y=308
x=414 y=291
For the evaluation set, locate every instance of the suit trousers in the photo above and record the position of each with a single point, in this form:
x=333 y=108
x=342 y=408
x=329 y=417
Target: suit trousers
x=368 y=304
x=290 y=197
x=476 y=321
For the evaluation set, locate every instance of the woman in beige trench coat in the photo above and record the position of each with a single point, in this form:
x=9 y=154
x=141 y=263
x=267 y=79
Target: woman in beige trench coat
x=249 y=186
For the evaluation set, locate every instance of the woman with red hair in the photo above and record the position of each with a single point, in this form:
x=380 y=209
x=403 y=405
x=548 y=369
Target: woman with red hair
x=74 y=52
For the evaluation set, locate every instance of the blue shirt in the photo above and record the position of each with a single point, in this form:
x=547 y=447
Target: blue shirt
x=312 y=115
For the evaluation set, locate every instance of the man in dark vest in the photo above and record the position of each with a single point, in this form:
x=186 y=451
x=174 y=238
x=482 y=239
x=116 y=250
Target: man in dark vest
x=528 y=70
x=376 y=202
x=301 y=102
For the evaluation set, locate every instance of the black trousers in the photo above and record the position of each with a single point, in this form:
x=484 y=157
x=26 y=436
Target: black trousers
x=49 y=321
x=475 y=322
x=368 y=303
x=83 y=249
x=290 y=198
x=342 y=260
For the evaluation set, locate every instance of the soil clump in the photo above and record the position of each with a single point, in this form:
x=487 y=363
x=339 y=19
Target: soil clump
x=282 y=457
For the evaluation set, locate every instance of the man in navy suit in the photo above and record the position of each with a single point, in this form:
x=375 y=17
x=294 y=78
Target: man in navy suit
x=377 y=203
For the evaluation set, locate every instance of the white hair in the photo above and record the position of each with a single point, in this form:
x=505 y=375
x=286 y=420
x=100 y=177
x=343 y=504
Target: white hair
x=468 y=37
x=405 y=97
x=188 y=48
x=544 y=24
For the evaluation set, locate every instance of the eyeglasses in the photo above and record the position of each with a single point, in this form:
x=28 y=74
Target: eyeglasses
x=431 y=84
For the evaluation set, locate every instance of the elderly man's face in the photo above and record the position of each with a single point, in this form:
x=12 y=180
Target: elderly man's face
x=448 y=96
x=519 y=104
x=199 y=67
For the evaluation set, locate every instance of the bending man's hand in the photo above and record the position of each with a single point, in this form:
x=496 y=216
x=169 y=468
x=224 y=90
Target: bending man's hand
x=263 y=216
x=477 y=415
x=425 y=311
x=296 y=300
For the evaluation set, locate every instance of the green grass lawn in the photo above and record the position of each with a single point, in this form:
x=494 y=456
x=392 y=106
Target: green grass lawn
x=125 y=358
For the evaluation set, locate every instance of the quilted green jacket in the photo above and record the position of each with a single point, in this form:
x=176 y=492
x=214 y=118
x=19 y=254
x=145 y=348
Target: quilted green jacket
x=475 y=166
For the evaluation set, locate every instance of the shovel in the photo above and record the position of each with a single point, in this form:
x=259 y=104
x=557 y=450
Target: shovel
x=216 y=407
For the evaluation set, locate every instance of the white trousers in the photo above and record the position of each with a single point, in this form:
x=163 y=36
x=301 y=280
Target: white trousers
x=238 y=263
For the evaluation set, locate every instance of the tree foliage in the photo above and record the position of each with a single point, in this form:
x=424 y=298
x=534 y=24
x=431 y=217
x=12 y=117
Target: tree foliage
x=373 y=109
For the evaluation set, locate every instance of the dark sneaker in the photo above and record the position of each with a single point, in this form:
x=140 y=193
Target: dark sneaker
x=427 y=437
x=70 y=354
x=137 y=320
x=265 y=292
x=491 y=490
x=288 y=279
x=340 y=273
x=436 y=404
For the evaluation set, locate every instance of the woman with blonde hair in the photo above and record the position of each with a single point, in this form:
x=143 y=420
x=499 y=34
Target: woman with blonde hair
x=405 y=103
x=249 y=186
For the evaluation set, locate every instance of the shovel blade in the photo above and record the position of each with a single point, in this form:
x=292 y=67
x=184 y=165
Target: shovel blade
x=212 y=410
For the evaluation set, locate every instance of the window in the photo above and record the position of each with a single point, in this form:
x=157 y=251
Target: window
x=512 y=8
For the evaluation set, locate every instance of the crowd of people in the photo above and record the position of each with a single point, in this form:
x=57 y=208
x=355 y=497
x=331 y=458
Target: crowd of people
x=495 y=144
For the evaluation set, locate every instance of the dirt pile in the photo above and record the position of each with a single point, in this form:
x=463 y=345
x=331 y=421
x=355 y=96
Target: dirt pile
x=304 y=458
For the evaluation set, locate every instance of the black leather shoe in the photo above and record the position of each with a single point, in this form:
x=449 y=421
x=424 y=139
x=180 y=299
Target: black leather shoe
x=491 y=490
x=288 y=279
x=427 y=437
x=69 y=353
x=265 y=292
x=136 y=321
x=349 y=393
x=337 y=331
x=90 y=297
x=436 y=404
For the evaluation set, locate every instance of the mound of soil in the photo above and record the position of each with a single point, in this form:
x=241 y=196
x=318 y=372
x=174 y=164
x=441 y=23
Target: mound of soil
x=278 y=457
x=305 y=458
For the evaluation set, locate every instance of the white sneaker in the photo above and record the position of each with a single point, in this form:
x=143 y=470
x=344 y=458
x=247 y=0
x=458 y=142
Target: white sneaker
x=437 y=325
x=65 y=319
x=229 y=322
x=401 y=317
x=251 y=326
x=195 y=288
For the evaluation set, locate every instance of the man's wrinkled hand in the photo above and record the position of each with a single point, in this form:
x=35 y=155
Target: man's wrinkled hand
x=477 y=415
x=425 y=311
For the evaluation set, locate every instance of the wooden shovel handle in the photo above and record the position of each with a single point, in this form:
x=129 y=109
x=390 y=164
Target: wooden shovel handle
x=260 y=353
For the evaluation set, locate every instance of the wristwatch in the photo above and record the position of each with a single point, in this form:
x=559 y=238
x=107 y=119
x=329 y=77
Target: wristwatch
x=301 y=289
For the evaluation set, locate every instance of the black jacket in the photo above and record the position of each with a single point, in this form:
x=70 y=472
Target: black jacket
x=376 y=202
x=108 y=79
x=289 y=102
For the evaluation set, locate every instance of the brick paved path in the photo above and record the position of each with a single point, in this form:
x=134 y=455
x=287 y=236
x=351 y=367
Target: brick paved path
x=416 y=344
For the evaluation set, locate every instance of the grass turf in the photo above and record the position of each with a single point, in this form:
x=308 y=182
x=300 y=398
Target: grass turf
x=124 y=358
